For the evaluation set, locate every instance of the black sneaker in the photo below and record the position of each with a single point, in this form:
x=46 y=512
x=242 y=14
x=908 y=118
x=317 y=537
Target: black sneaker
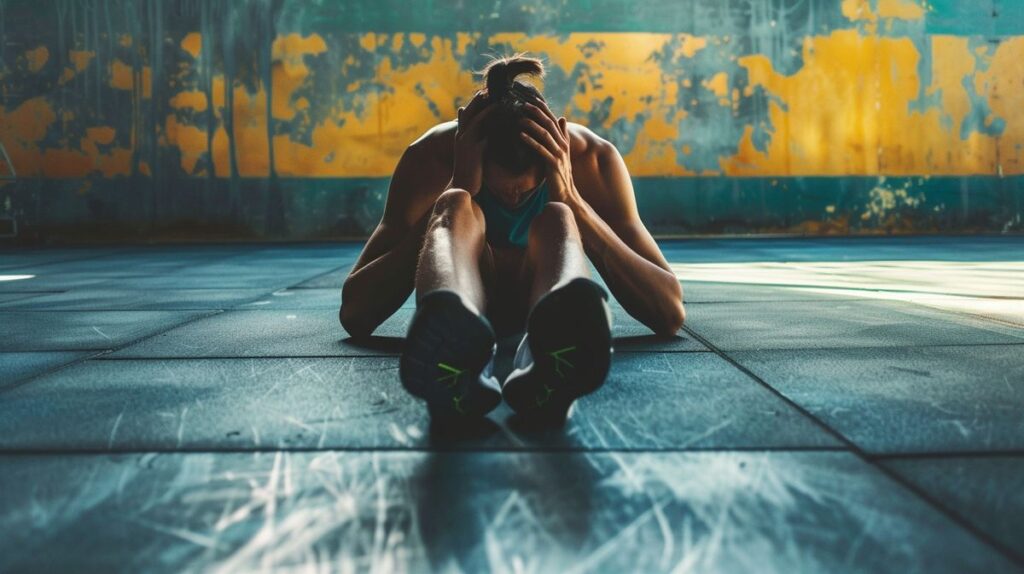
x=565 y=354
x=448 y=358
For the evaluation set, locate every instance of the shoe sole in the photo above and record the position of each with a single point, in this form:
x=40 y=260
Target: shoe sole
x=447 y=349
x=569 y=335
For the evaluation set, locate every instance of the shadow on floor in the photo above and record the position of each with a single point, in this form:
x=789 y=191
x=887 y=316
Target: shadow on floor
x=377 y=343
x=553 y=492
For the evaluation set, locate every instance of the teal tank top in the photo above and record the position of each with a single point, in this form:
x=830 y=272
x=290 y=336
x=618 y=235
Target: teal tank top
x=509 y=227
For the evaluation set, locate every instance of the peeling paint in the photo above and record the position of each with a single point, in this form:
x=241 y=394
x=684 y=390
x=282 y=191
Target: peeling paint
x=840 y=115
x=192 y=43
x=256 y=90
x=885 y=200
x=854 y=106
x=37 y=58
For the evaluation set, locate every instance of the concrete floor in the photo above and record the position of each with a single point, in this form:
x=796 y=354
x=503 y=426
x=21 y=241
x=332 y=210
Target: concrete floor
x=832 y=405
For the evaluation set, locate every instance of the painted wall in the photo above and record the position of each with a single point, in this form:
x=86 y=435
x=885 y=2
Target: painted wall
x=284 y=118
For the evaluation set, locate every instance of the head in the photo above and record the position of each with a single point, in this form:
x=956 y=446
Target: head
x=510 y=165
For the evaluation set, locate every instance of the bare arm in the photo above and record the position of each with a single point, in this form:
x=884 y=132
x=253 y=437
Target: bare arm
x=613 y=236
x=622 y=249
x=384 y=275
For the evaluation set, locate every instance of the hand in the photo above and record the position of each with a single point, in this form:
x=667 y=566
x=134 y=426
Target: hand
x=549 y=136
x=467 y=172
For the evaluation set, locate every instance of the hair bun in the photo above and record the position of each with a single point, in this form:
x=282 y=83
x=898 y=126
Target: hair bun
x=509 y=96
x=500 y=73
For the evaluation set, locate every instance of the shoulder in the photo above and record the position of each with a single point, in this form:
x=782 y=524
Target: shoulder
x=421 y=174
x=587 y=147
x=599 y=171
x=429 y=156
x=436 y=142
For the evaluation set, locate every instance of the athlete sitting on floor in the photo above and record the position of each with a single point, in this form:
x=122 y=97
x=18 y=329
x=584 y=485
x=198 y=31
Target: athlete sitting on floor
x=489 y=217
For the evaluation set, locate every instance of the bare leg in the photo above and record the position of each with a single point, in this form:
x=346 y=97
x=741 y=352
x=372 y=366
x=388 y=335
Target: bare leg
x=453 y=248
x=447 y=359
x=566 y=352
x=554 y=251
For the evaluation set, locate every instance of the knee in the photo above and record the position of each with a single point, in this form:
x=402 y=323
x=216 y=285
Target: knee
x=555 y=219
x=355 y=323
x=453 y=198
x=556 y=212
x=455 y=204
x=671 y=320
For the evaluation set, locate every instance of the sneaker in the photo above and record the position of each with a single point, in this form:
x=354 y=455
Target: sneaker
x=448 y=359
x=565 y=354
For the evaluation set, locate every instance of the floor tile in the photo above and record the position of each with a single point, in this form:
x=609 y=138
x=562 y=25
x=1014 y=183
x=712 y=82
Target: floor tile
x=681 y=462
x=272 y=333
x=267 y=278
x=332 y=280
x=840 y=249
x=8 y=298
x=156 y=266
x=318 y=333
x=676 y=400
x=839 y=324
x=327 y=299
x=471 y=512
x=83 y=330
x=867 y=278
x=910 y=248
x=906 y=400
x=631 y=335
x=987 y=491
x=181 y=268
x=43 y=279
x=16 y=367
x=712 y=292
x=29 y=257
x=330 y=251
x=148 y=259
x=137 y=300
x=330 y=298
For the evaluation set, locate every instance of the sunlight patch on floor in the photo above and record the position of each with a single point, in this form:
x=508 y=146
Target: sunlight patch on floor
x=994 y=290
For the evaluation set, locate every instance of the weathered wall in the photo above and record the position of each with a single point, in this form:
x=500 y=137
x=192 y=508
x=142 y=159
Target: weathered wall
x=285 y=118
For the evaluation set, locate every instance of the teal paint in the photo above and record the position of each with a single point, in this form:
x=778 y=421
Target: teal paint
x=313 y=209
x=989 y=18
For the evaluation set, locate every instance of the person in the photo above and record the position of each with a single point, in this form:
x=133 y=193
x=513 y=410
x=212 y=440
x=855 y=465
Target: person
x=491 y=218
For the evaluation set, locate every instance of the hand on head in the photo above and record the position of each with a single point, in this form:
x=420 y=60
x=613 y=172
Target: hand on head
x=490 y=127
x=549 y=137
x=470 y=140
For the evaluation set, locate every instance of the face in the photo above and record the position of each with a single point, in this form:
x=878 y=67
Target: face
x=508 y=187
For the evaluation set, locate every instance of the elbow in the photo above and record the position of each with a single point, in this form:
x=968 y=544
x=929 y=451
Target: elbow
x=673 y=315
x=357 y=325
x=353 y=319
x=670 y=320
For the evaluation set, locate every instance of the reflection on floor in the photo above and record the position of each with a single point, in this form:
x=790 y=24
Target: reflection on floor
x=832 y=405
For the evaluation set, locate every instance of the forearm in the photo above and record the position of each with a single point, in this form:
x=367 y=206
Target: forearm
x=647 y=291
x=374 y=291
